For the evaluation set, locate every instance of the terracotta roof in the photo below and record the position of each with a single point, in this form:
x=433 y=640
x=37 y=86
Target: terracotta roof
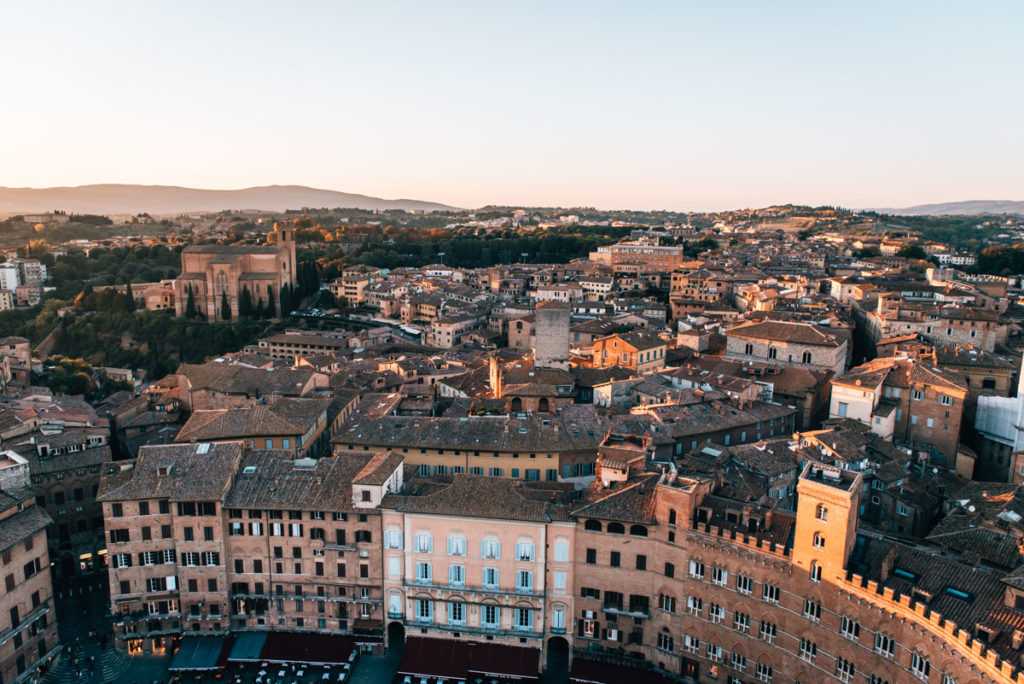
x=179 y=472
x=799 y=333
x=480 y=496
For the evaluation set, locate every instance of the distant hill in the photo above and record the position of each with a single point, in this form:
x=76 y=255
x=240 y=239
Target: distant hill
x=967 y=208
x=170 y=199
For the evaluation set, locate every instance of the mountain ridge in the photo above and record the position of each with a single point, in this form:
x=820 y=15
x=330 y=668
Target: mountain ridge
x=963 y=208
x=127 y=198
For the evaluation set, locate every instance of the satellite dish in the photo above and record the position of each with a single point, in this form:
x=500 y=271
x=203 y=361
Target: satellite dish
x=970 y=509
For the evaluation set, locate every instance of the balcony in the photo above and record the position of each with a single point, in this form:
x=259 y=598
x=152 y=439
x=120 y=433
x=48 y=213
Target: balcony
x=525 y=592
x=633 y=613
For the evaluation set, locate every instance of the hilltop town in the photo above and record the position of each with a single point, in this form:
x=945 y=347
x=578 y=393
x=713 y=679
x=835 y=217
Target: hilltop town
x=761 y=445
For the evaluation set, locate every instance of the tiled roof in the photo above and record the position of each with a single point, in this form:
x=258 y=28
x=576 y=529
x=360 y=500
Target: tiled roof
x=266 y=480
x=22 y=525
x=480 y=496
x=799 y=333
x=286 y=416
x=632 y=501
x=179 y=472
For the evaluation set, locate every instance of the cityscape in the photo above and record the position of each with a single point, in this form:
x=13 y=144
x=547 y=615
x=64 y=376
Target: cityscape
x=590 y=409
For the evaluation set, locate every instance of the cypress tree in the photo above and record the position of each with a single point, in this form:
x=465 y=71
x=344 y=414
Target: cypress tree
x=259 y=308
x=271 y=311
x=225 y=307
x=131 y=296
x=285 y=299
x=244 y=303
x=190 y=303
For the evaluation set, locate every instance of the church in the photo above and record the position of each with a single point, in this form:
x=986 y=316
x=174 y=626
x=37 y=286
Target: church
x=209 y=272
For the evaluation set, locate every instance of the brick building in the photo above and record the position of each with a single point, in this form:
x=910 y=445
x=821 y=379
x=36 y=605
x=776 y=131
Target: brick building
x=214 y=538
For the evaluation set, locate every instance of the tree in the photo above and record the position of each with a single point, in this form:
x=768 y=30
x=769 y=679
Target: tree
x=271 y=312
x=190 y=303
x=286 y=298
x=244 y=303
x=225 y=307
x=912 y=252
x=131 y=297
x=259 y=308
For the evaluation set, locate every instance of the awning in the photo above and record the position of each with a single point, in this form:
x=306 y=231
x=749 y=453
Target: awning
x=498 y=660
x=307 y=647
x=248 y=646
x=447 y=658
x=434 y=658
x=198 y=653
x=586 y=671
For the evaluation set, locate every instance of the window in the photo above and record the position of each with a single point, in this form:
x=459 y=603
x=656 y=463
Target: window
x=819 y=540
x=524 y=581
x=641 y=562
x=714 y=652
x=456 y=613
x=524 y=619
x=667 y=603
x=490 y=578
x=902 y=510
x=843 y=407
x=423 y=543
x=815 y=571
x=561 y=552
x=456 y=546
x=821 y=512
x=716 y=612
x=767 y=631
x=392 y=539
x=696 y=569
x=945 y=400
x=885 y=645
x=559 y=581
x=850 y=628
x=692 y=644
x=770 y=593
x=917 y=395
x=719 y=576
x=670 y=570
x=844 y=669
x=615 y=559
x=812 y=610
x=456 y=575
x=694 y=605
x=920 y=667
x=744 y=584
x=808 y=650
x=773 y=353
x=524 y=551
x=764 y=672
x=424 y=610
x=423 y=573
x=741 y=622
x=738 y=661
x=490 y=548
x=490 y=616
x=806 y=357
x=666 y=642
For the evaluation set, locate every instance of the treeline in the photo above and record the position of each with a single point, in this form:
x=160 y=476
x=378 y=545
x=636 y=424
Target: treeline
x=154 y=341
x=393 y=248
x=1002 y=260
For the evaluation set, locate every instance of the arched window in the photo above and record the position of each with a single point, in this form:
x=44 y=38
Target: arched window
x=815 y=571
x=773 y=353
x=542 y=405
x=749 y=349
x=592 y=525
x=637 y=531
x=807 y=357
x=821 y=513
x=819 y=540
x=988 y=383
x=671 y=516
x=616 y=528
x=517 y=405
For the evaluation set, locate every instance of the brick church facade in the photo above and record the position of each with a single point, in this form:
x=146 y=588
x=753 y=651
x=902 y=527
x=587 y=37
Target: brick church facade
x=211 y=271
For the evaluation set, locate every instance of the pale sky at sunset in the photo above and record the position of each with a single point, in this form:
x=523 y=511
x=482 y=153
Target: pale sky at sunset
x=645 y=105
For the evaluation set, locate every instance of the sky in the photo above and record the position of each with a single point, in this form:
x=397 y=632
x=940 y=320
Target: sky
x=636 y=105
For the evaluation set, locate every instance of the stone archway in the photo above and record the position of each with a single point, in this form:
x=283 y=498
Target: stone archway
x=556 y=666
x=396 y=637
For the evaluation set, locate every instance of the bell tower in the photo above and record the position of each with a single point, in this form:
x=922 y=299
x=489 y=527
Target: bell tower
x=286 y=249
x=828 y=499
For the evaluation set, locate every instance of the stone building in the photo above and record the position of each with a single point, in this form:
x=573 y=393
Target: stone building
x=210 y=273
x=215 y=538
x=906 y=400
x=797 y=344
